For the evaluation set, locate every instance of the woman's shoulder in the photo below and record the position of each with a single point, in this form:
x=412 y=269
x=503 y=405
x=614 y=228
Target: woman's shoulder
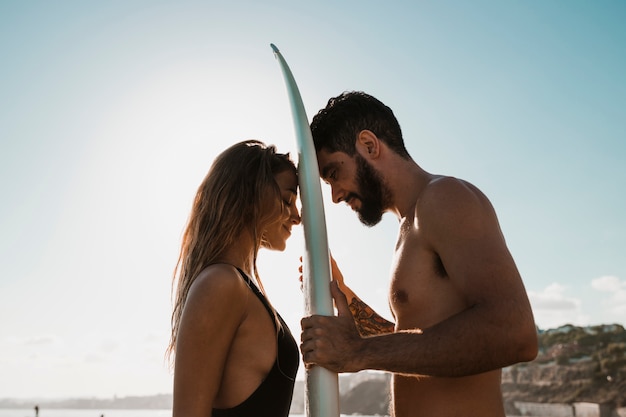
x=219 y=283
x=217 y=301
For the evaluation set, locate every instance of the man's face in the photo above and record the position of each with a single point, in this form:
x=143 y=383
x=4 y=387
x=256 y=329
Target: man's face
x=355 y=181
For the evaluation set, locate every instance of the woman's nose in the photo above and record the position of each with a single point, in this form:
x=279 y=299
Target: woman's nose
x=294 y=215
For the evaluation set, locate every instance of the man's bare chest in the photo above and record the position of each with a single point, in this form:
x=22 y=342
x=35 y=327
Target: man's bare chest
x=421 y=293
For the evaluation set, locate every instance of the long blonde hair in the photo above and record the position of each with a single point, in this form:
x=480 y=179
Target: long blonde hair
x=232 y=199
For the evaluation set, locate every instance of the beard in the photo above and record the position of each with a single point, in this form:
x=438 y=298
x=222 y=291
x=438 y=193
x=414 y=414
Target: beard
x=374 y=194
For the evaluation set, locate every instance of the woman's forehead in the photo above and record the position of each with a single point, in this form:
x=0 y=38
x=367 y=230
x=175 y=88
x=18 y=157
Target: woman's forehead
x=287 y=180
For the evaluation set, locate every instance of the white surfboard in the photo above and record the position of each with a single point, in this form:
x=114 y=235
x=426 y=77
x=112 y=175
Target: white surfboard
x=321 y=387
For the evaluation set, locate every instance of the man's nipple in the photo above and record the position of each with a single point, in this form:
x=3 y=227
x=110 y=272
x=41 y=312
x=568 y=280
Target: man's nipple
x=400 y=296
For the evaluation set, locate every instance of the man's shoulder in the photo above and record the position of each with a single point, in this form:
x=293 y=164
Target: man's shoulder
x=442 y=188
x=450 y=194
x=447 y=183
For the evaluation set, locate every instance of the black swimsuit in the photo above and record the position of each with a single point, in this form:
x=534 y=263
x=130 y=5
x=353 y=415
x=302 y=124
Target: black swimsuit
x=273 y=397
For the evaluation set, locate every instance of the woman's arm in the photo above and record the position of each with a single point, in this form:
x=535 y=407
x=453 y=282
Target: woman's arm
x=213 y=311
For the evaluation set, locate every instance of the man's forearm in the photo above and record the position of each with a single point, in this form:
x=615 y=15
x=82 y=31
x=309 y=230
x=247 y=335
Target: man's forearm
x=450 y=349
x=368 y=322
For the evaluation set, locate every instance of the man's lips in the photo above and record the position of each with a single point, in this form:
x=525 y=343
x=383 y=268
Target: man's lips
x=351 y=201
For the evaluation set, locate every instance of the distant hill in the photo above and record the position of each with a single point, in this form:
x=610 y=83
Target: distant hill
x=575 y=364
x=159 y=401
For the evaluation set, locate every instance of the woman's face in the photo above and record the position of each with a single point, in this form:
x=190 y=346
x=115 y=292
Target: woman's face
x=276 y=233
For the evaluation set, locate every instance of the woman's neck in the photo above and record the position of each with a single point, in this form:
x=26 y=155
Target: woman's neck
x=239 y=255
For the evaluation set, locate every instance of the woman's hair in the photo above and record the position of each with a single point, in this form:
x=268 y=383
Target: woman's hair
x=236 y=196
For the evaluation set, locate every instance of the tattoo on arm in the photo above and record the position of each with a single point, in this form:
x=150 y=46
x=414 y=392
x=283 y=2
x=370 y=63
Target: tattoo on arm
x=368 y=322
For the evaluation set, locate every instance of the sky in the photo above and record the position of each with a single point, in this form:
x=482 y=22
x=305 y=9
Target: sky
x=112 y=112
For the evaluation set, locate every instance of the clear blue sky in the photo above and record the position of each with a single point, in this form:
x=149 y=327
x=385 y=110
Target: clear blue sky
x=111 y=113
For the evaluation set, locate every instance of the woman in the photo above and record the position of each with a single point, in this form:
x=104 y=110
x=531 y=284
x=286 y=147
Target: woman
x=234 y=355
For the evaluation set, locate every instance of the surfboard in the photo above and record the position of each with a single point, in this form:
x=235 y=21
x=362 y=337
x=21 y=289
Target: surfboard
x=321 y=385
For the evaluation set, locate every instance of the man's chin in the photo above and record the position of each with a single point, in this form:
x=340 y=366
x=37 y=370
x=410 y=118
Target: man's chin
x=370 y=219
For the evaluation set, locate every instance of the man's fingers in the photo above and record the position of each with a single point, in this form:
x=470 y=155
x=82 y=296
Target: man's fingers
x=312 y=330
x=306 y=322
x=310 y=322
x=307 y=347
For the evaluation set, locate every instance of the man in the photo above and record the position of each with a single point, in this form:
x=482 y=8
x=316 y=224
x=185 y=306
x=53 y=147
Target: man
x=460 y=308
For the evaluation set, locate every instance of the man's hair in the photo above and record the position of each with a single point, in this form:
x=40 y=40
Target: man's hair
x=335 y=127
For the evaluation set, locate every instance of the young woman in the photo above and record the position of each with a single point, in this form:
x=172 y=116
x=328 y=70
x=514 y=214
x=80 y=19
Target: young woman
x=233 y=354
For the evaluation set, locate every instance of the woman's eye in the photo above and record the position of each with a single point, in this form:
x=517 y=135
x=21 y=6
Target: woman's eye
x=288 y=201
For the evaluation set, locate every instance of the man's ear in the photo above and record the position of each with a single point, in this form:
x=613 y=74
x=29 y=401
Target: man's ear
x=368 y=144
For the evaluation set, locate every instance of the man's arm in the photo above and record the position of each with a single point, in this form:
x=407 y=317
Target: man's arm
x=495 y=330
x=368 y=322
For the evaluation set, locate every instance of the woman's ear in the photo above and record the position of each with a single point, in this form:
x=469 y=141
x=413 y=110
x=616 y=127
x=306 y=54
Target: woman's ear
x=368 y=144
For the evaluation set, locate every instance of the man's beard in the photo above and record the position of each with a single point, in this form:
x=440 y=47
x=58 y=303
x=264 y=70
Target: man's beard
x=374 y=194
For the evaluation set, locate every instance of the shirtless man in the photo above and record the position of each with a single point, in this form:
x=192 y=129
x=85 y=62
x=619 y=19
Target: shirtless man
x=460 y=308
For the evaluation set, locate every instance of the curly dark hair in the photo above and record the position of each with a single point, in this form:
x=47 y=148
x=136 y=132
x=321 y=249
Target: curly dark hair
x=335 y=127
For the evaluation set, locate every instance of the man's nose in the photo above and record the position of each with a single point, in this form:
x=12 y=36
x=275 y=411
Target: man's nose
x=338 y=194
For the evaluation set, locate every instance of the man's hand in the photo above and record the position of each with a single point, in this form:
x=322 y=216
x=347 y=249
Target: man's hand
x=332 y=342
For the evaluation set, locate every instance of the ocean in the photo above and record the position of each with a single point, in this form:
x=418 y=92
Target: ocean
x=50 y=412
